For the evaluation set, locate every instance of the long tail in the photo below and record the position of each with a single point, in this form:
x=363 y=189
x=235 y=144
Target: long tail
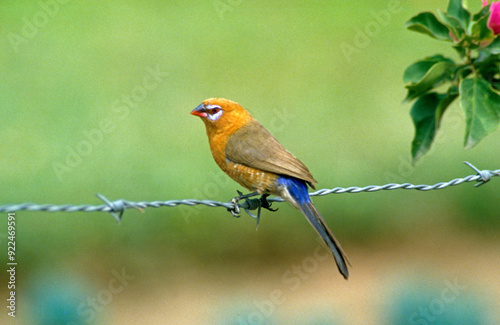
x=315 y=219
x=295 y=191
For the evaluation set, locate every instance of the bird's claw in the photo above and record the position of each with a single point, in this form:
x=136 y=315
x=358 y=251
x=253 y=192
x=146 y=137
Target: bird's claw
x=250 y=204
x=264 y=203
x=235 y=200
x=236 y=210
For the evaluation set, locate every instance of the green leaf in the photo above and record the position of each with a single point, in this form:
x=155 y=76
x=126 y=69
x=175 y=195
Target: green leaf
x=481 y=105
x=426 y=114
x=423 y=76
x=485 y=11
x=460 y=50
x=496 y=84
x=461 y=72
x=450 y=96
x=486 y=64
x=415 y=72
x=456 y=10
x=479 y=30
x=453 y=24
x=494 y=47
x=427 y=23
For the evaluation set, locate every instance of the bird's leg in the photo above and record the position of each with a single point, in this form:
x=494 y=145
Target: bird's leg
x=250 y=204
x=263 y=203
x=236 y=211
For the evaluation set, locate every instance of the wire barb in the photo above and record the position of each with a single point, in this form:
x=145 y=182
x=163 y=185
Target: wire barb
x=484 y=175
x=117 y=208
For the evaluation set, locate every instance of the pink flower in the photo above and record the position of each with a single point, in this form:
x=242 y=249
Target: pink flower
x=494 y=22
x=485 y=3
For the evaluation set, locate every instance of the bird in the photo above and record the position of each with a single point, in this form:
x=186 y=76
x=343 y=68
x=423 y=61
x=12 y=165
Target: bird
x=248 y=153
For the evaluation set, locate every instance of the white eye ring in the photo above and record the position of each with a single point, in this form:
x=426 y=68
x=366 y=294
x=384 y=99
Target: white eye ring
x=216 y=112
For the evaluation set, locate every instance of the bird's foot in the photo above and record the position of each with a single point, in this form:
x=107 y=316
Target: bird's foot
x=236 y=210
x=264 y=203
x=249 y=204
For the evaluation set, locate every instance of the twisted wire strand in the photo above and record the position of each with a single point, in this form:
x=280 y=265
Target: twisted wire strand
x=117 y=207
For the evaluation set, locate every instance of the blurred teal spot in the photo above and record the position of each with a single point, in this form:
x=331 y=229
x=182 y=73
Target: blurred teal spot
x=55 y=300
x=265 y=312
x=446 y=303
x=246 y=314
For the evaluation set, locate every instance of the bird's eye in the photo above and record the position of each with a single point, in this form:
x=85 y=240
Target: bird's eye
x=213 y=111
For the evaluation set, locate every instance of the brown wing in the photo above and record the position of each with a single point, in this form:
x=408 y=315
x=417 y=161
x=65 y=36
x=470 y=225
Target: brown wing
x=253 y=146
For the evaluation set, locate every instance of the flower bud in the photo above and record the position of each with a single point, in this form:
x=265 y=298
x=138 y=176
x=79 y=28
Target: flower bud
x=494 y=22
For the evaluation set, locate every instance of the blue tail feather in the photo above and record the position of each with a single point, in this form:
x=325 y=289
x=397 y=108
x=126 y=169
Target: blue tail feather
x=297 y=191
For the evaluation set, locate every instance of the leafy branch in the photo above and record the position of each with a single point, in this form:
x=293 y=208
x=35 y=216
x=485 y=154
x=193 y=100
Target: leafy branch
x=474 y=80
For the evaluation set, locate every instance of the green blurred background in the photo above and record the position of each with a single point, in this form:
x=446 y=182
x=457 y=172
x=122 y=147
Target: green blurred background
x=95 y=98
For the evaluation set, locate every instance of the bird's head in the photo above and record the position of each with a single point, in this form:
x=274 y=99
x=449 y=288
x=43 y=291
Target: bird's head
x=220 y=114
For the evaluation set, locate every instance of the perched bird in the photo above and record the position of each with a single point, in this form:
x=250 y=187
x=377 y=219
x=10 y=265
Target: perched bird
x=251 y=156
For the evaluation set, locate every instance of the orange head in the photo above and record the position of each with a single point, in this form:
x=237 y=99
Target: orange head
x=221 y=116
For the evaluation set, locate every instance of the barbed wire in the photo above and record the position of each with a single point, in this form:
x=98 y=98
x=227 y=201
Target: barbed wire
x=116 y=208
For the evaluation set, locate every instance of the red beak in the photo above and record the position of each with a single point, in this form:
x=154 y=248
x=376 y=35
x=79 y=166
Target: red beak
x=200 y=111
